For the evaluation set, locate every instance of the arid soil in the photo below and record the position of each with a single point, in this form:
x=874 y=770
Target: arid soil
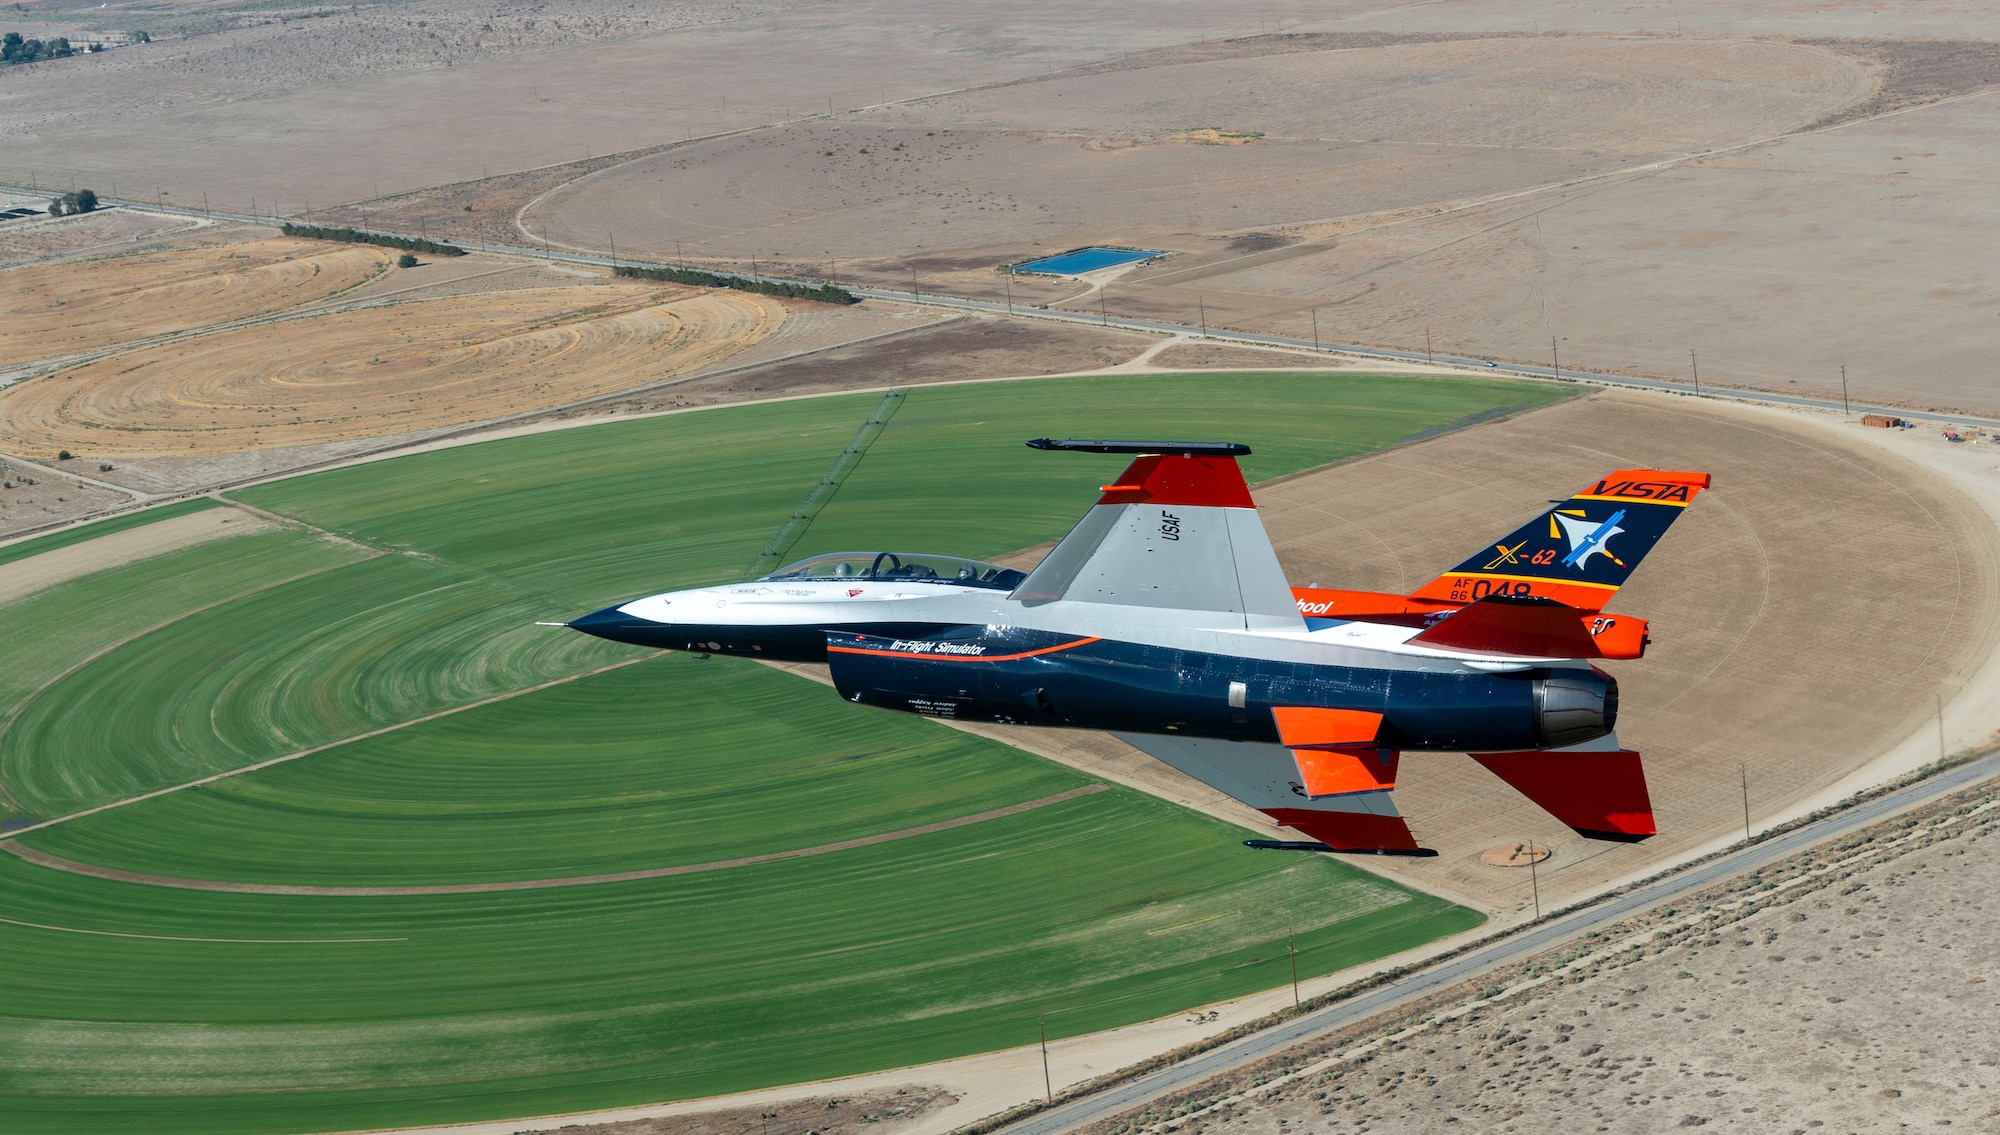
x=1071 y=160
x=64 y=309
x=1199 y=356
x=376 y=371
x=30 y=498
x=50 y=568
x=964 y=349
x=1806 y=612
x=1847 y=989
x=1759 y=671
x=357 y=103
x=49 y=238
x=880 y=1112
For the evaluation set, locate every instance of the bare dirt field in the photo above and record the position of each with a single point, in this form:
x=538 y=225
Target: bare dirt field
x=63 y=309
x=336 y=105
x=1861 y=246
x=32 y=498
x=376 y=371
x=1201 y=356
x=36 y=572
x=1856 y=997
x=1759 y=669
x=1805 y=613
x=57 y=237
x=963 y=349
x=883 y=1111
x=1073 y=159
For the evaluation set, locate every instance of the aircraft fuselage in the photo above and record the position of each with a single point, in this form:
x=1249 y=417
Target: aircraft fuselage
x=943 y=650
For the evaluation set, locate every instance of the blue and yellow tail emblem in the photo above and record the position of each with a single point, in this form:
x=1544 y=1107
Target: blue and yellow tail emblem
x=1581 y=551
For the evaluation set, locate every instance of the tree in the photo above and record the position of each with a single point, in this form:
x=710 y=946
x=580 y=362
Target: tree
x=407 y=260
x=75 y=201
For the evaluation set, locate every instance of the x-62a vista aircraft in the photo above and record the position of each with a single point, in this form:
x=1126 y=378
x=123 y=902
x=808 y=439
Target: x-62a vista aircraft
x=1164 y=617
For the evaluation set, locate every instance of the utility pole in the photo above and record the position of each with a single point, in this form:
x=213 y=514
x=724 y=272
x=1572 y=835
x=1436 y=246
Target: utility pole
x=1315 y=329
x=1103 y=318
x=1427 y=344
x=1843 y=388
x=1744 y=774
x=679 y=257
x=614 y=254
x=1048 y=1086
x=1292 y=948
x=1534 y=876
x=204 y=201
x=1695 y=366
x=1008 y=279
x=1555 y=357
x=914 y=293
x=1203 y=301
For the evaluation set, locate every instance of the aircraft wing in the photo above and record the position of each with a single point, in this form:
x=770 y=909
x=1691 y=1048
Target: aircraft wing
x=1268 y=778
x=1176 y=532
x=1336 y=790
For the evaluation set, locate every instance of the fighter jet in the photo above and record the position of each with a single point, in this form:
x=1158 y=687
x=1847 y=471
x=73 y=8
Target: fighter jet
x=1164 y=618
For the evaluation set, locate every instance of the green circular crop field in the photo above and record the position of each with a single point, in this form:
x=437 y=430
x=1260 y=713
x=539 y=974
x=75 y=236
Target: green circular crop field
x=384 y=905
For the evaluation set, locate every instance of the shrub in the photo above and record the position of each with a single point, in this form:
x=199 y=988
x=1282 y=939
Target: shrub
x=822 y=293
x=75 y=201
x=358 y=236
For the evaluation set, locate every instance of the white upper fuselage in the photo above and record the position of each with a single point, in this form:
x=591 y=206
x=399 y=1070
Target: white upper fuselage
x=942 y=603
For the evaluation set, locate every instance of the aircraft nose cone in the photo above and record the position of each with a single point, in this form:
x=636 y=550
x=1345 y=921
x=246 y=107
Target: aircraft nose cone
x=609 y=623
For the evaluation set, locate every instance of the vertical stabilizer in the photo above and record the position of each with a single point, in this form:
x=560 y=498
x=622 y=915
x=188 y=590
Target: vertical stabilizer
x=1176 y=531
x=1580 y=551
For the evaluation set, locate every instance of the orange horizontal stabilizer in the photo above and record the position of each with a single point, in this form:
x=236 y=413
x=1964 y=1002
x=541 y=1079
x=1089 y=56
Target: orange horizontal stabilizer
x=1535 y=628
x=1305 y=727
x=1599 y=794
x=1361 y=832
x=1335 y=749
x=1336 y=772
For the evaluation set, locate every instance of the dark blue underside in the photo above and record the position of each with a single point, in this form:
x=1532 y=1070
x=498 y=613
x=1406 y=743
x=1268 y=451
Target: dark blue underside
x=776 y=643
x=1126 y=687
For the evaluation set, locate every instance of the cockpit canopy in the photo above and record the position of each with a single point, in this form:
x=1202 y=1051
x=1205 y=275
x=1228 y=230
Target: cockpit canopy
x=902 y=567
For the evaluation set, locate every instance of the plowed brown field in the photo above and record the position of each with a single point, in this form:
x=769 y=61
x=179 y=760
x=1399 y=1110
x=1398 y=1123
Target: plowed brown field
x=377 y=371
x=61 y=309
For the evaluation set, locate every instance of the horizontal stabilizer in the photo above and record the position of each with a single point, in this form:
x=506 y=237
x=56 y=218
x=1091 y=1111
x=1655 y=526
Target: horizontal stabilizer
x=1266 y=777
x=1357 y=833
x=1530 y=627
x=1598 y=789
x=1335 y=750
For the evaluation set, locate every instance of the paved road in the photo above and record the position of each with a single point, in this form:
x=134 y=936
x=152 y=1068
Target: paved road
x=1518 y=947
x=1154 y=326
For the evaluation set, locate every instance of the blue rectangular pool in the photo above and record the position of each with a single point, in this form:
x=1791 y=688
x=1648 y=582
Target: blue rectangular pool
x=1080 y=260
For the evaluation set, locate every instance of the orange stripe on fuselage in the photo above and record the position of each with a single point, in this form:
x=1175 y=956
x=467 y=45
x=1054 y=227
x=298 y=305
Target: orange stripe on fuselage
x=960 y=657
